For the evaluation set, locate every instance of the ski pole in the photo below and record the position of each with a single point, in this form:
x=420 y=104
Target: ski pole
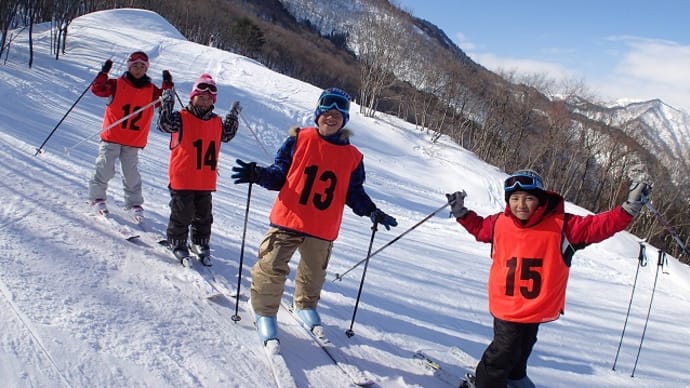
x=641 y=262
x=668 y=227
x=159 y=99
x=660 y=263
x=349 y=332
x=340 y=276
x=39 y=149
x=236 y=317
x=255 y=137
x=178 y=98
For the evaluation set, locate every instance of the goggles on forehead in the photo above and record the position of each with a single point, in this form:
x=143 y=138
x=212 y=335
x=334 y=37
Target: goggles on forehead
x=206 y=88
x=334 y=101
x=138 y=57
x=524 y=181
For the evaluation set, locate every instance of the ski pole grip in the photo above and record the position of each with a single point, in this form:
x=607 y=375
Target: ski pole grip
x=642 y=256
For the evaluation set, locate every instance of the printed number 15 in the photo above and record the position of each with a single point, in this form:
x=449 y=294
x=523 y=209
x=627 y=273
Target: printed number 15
x=527 y=273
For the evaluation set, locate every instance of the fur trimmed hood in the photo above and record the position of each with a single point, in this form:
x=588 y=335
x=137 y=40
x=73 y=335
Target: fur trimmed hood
x=344 y=134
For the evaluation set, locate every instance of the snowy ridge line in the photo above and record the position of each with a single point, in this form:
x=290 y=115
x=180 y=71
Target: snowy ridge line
x=335 y=354
x=25 y=322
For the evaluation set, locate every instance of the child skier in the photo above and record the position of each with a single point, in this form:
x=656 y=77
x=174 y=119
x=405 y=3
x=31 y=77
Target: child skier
x=128 y=93
x=195 y=145
x=533 y=241
x=317 y=172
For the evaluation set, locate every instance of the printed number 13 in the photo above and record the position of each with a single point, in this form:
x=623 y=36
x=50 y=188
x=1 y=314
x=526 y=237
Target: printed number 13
x=320 y=200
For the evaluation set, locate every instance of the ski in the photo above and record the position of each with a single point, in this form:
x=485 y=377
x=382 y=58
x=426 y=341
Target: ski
x=432 y=365
x=466 y=360
x=212 y=289
x=281 y=373
x=122 y=229
x=110 y=220
x=214 y=281
x=337 y=356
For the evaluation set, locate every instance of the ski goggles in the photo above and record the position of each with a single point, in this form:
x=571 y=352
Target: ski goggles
x=138 y=57
x=334 y=101
x=206 y=88
x=524 y=181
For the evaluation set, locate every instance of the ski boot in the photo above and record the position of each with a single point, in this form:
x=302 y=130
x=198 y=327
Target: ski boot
x=100 y=206
x=137 y=212
x=311 y=319
x=267 y=328
x=203 y=252
x=181 y=252
x=468 y=382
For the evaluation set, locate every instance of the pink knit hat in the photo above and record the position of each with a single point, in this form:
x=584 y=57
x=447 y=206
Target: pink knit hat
x=204 y=85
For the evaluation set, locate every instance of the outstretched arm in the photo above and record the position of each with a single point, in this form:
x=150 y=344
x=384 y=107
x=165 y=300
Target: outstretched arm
x=481 y=228
x=585 y=230
x=595 y=228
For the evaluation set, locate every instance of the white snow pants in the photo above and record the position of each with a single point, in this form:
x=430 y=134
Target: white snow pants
x=108 y=154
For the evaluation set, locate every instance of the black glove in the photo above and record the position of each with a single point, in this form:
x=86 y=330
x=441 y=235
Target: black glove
x=167 y=77
x=457 y=204
x=107 y=65
x=637 y=197
x=379 y=217
x=246 y=172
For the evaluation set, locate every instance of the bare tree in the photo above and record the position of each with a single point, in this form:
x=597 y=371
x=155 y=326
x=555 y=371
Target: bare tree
x=64 y=11
x=380 y=55
x=7 y=12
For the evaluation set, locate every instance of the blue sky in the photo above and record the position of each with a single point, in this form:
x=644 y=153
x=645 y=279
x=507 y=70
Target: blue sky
x=620 y=49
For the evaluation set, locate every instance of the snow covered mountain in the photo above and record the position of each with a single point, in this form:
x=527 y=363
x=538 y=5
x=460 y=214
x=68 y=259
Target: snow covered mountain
x=660 y=128
x=81 y=307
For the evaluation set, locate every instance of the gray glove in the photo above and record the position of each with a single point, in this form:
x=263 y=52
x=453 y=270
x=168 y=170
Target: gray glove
x=168 y=103
x=637 y=197
x=231 y=123
x=457 y=203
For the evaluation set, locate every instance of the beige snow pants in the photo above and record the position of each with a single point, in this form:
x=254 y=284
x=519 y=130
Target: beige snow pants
x=272 y=269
